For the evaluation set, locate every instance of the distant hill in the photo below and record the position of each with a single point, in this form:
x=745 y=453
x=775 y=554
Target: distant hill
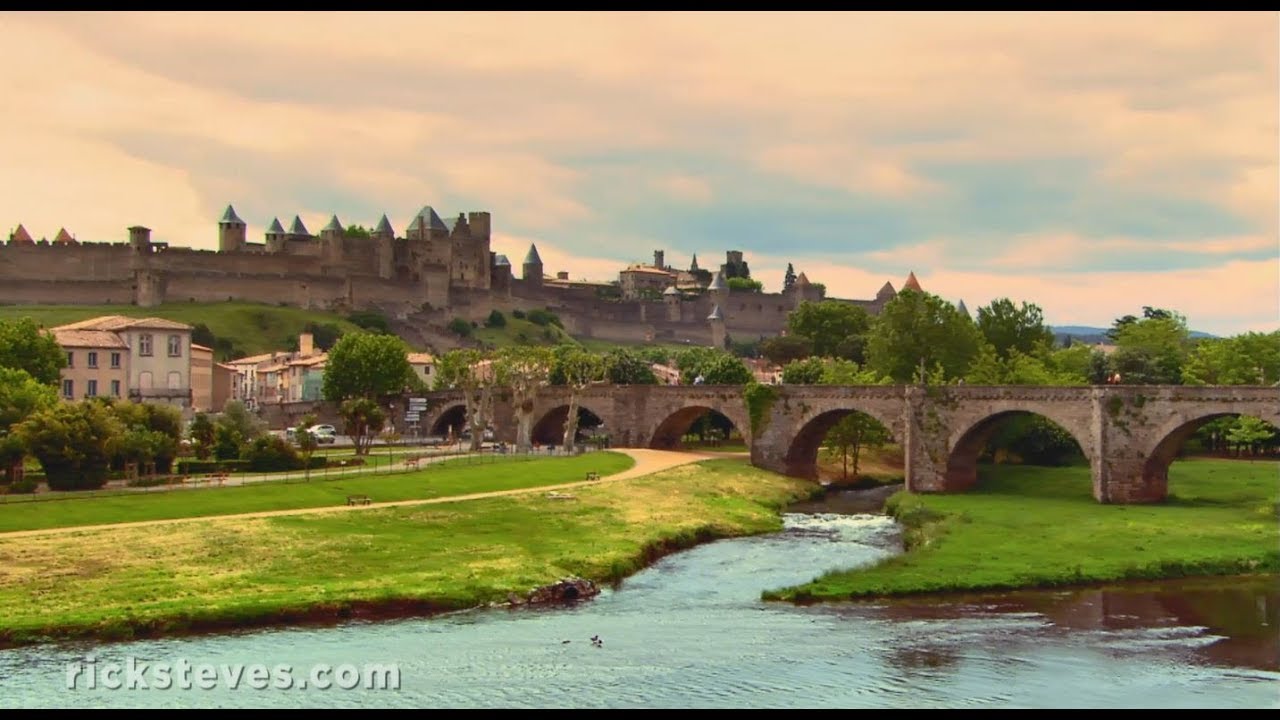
x=1093 y=335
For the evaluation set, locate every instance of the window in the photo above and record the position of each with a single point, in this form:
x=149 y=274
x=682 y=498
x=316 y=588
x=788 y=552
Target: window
x=175 y=380
x=115 y=359
x=92 y=389
x=144 y=345
x=71 y=359
x=93 y=359
x=115 y=388
x=68 y=389
x=144 y=380
x=175 y=346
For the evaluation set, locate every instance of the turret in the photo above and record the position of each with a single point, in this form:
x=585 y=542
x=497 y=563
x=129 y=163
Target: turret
x=331 y=236
x=719 y=337
x=384 y=237
x=912 y=283
x=532 y=270
x=275 y=236
x=671 y=296
x=231 y=231
x=658 y=259
x=693 y=266
x=718 y=289
x=140 y=239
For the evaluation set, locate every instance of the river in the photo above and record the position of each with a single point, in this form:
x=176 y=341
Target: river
x=690 y=631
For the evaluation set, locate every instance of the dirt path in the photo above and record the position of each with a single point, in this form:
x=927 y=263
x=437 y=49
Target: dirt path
x=647 y=463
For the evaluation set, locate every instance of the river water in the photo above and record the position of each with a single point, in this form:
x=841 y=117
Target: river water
x=690 y=631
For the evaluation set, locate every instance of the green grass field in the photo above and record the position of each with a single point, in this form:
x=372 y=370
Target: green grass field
x=252 y=327
x=451 y=477
x=1040 y=527
x=518 y=331
x=224 y=573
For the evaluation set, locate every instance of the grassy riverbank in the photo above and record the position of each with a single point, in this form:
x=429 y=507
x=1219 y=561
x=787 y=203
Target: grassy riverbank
x=223 y=573
x=1029 y=527
x=451 y=477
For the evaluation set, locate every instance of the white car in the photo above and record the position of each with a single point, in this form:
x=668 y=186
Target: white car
x=324 y=434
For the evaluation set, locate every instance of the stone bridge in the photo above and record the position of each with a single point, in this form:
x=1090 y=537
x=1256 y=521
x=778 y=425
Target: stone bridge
x=1129 y=433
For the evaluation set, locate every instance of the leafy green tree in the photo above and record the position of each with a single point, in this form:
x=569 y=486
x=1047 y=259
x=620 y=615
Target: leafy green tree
x=716 y=367
x=1250 y=432
x=363 y=365
x=269 y=453
x=623 y=367
x=744 y=284
x=1151 y=350
x=141 y=448
x=525 y=370
x=1008 y=327
x=496 y=319
x=460 y=327
x=916 y=328
x=784 y=349
x=202 y=335
x=363 y=419
x=158 y=433
x=358 y=231
x=1249 y=359
x=469 y=371
x=25 y=346
x=73 y=442
x=227 y=441
x=323 y=335
x=837 y=329
x=243 y=424
x=20 y=396
x=803 y=372
x=581 y=369
x=546 y=318
x=201 y=433
x=850 y=436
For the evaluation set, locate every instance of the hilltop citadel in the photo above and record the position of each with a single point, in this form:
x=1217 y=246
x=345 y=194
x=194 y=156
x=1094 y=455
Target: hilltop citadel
x=435 y=271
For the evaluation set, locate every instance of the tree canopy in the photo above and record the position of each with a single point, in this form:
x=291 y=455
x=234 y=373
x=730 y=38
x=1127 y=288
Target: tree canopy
x=25 y=346
x=367 y=365
x=1013 y=328
x=916 y=328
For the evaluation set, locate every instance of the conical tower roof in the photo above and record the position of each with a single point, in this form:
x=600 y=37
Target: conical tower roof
x=715 y=313
x=63 y=237
x=275 y=228
x=532 y=258
x=671 y=290
x=887 y=291
x=431 y=219
x=20 y=235
x=963 y=310
x=384 y=227
x=297 y=228
x=333 y=225
x=717 y=282
x=802 y=279
x=912 y=283
x=229 y=217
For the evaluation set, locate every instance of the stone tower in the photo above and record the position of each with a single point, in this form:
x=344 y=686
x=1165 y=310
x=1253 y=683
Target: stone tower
x=331 y=240
x=718 y=289
x=659 y=259
x=671 y=296
x=532 y=270
x=231 y=231
x=140 y=239
x=719 y=336
x=275 y=236
x=384 y=238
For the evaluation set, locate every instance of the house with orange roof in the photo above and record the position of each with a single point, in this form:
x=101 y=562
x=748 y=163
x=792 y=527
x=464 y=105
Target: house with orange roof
x=155 y=358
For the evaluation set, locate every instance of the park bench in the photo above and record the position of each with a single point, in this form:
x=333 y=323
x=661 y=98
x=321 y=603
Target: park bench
x=358 y=500
x=593 y=475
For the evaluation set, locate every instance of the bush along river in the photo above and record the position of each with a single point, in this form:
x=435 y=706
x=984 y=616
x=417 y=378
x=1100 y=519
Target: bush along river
x=692 y=631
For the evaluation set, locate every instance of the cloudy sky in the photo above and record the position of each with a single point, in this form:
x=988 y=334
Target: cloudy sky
x=1092 y=163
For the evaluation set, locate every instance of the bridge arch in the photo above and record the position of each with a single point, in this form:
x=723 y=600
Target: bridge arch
x=672 y=428
x=801 y=459
x=549 y=428
x=1170 y=439
x=966 y=445
x=451 y=417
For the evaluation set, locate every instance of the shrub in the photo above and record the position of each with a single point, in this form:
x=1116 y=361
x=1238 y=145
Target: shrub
x=544 y=317
x=460 y=327
x=496 y=320
x=517 y=314
x=199 y=467
x=271 y=454
x=26 y=486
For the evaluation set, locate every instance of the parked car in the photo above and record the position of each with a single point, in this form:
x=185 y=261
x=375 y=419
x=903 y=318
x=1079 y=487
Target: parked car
x=323 y=429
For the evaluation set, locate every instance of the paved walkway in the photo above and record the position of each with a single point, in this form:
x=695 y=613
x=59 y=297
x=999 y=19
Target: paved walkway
x=647 y=463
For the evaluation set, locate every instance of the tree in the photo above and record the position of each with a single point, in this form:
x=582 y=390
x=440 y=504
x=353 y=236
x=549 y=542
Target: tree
x=1249 y=359
x=73 y=442
x=784 y=349
x=581 y=369
x=358 y=231
x=157 y=433
x=1152 y=350
x=716 y=367
x=803 y=372
x=1008 y=327
x=202 y=335
x=917 y=327
x=363 y=365
x=20 y=397
x=496 y=319
x=623 y=367
x=850 y=436
x=307 y=441
x=525 y=370
x=371 y=321
x=237 y=419
x=25 y=346
x=789 y=279
x=744 y=284
x=1250 y=432
x=201 y=433
x=460 y=327
x=471 y=372
x=837 y=329
x=363 y=419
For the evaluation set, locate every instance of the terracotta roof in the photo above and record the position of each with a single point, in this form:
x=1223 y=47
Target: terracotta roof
x=887 y=291
x=196 y=346
x=647 y=270
x=313 y=360
x=421 y=358
x=20 y=235
x=802 y=279
x=88 y=338
x=64 y=237
x=252 y=359
x=120 y=322
x=912 y=283
x=273 y=368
